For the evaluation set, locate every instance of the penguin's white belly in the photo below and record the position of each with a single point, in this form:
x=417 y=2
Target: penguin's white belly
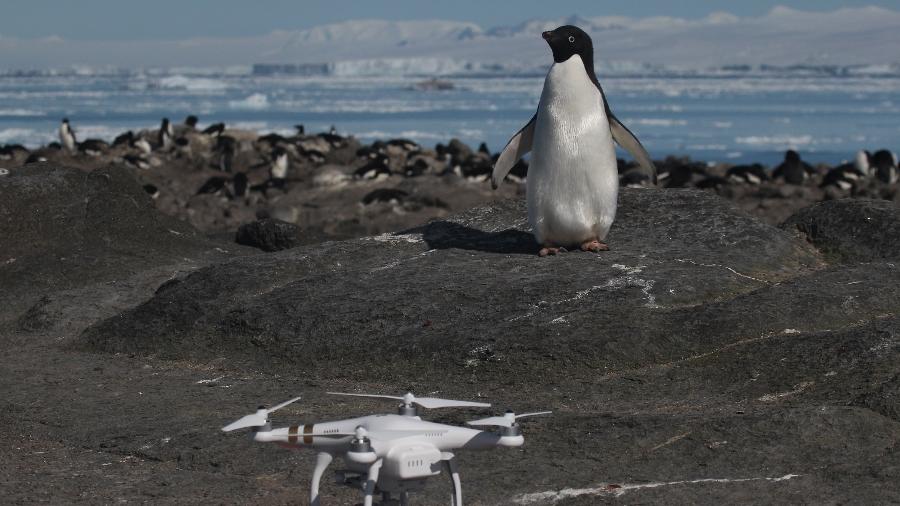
x=573 y=181
x=66 y=139
x=279 y=168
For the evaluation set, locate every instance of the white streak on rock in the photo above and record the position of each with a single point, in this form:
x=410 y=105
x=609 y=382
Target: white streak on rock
x=208 y=381
x=397 y=263
x=395 y=238
x=612 y=490
x=629 y=270
x=780 y=395
x=616 y=283
x=688 y=260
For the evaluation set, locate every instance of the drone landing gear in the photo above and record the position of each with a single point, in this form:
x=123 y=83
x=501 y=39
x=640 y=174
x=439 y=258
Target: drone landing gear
x=371 y=480
x=453 y=473
x=393 y=492
x=386 y=499
x=322 y=461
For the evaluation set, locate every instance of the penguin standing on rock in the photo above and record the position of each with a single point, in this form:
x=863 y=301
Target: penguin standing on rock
x=166 y=134
x=573 y=179
x=67 y=136
x=225 y=146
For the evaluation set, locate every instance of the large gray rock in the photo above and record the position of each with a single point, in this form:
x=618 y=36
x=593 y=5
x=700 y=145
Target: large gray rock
x=269 y=234
x=686 y=272
x=854 y=230
x=63 y=228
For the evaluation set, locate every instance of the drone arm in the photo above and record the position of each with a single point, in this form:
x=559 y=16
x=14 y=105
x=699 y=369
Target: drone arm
x=322 y=461
x=371 y=480
x=453 y=473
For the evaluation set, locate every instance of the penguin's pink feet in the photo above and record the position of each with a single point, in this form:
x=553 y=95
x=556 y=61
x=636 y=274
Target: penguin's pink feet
x=551 y=250
x=594 y=245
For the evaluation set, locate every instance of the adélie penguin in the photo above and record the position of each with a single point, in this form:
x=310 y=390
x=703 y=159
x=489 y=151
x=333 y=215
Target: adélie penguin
x=573 y=180
x=166 y=134
x=67 y=135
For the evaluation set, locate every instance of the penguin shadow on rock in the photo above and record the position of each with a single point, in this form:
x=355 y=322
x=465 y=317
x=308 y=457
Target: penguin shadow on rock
x=449 y=235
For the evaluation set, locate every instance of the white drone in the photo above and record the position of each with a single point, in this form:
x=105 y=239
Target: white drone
x=390 y=454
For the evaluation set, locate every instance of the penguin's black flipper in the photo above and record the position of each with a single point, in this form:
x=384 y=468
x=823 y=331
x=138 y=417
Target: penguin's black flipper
x=516 y=148
x=623 y=137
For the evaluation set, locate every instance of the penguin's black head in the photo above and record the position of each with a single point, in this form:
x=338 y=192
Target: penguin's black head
x=66 y=121
x=567 y=41
x=165 y=122
x=191 y=121
x=792 y=156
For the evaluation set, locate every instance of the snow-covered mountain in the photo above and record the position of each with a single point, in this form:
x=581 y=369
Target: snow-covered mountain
x=857 y=37
x=784 y=37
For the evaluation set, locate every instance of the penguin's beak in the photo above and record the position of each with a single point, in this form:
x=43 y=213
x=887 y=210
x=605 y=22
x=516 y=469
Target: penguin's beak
x=547 y=35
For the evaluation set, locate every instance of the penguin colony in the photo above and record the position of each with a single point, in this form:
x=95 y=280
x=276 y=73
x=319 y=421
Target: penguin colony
x=386 y=179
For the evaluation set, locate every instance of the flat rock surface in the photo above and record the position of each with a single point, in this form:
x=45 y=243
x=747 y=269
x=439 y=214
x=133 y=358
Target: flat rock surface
x=707 y=358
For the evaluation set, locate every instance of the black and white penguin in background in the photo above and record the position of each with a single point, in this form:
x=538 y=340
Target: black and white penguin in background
x=189 y=126
x=214 y=130
x=67 y=136
x=573 y=177
x=13 y=151
x=166 y=136
x=793 y=170
x=863 y=163
x=747 y=174
x=279 y=168
x=225 y=148
x=884 y=166
x=850 y=175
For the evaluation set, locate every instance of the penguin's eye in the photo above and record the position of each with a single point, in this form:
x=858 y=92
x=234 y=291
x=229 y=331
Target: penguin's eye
x=571 y=38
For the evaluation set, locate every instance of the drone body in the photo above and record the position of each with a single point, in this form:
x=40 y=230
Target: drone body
x=390 y=453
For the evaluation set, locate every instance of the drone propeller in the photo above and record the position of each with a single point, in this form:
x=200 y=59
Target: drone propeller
x=382 y=435
x=257 y=419
x=426 y=402
x=506 y=420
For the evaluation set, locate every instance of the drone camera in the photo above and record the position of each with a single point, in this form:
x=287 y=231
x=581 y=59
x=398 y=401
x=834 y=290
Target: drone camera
x=414 y=462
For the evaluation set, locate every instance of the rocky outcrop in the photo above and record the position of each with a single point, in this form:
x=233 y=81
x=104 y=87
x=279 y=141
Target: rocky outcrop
x=269 y=234
x=851 y=230
x=686 y=273
x=63 y=228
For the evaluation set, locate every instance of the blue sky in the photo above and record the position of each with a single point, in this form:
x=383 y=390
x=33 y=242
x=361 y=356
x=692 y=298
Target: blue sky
x=154 y=19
